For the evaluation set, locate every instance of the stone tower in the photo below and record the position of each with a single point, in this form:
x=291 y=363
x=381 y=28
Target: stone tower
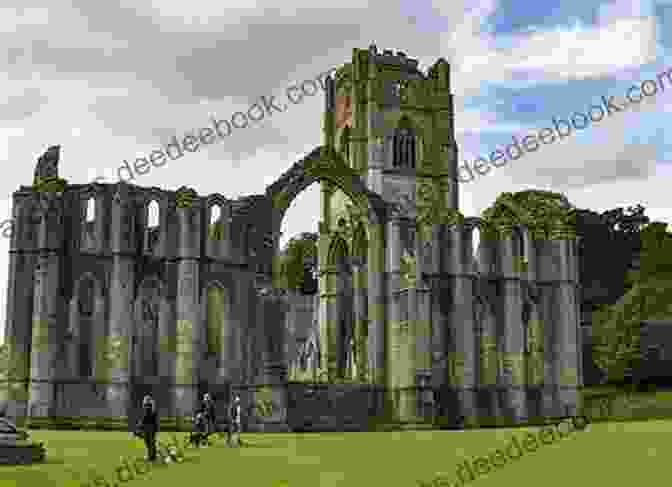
x=394 y=126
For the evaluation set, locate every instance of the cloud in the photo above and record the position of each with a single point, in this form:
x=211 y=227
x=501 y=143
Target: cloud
x=115 y=80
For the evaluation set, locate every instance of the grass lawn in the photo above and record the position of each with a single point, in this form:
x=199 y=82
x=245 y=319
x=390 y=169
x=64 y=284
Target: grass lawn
x=611 y=454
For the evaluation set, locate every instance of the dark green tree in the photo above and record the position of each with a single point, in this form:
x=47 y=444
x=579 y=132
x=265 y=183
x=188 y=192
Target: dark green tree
x=616 y=328
x=298 y=263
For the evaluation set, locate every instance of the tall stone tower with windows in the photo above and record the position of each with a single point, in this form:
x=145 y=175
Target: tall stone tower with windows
x=394 y=126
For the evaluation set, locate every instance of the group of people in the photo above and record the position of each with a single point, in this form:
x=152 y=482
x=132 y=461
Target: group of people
x=205 y=424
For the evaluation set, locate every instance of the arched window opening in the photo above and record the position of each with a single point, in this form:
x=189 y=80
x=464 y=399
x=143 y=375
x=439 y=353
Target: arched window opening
x=153 y=214
x=404 y=145
x=216 y=227
x=90 y=210
x=475 y=244
x=215 y=214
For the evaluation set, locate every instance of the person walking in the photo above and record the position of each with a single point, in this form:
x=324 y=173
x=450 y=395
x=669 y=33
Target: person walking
x=148 y=426
x=234 y=421
x=208 y=408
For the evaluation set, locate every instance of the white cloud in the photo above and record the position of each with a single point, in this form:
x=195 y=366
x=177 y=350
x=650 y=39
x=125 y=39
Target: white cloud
x=112 y=82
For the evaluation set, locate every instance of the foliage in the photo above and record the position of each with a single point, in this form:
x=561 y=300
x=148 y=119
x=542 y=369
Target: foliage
x=216 y=231
x=604 y=274
x=656 y=255
x=616 y=328
x=50 y=184
x=298 y=261
x=546 y=214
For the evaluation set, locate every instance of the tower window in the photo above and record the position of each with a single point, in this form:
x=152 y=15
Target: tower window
x=404 y=146
x=90 y=210
x=215 y=213
x=153 y=214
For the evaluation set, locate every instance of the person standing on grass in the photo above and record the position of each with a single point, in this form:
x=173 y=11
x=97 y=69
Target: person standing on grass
x=209 y=409
x=148 y=426
x=234 y=421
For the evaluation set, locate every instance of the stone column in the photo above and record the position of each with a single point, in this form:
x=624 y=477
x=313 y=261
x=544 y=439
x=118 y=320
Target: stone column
x=420 y=316
x=43 y=350
x=45 y=311
x=273 y=383
x=189 y=325
x=360 y=318
x=567 y=342
x=328 y=323
x=513 y=344
x=401 y=344
x=22 y=261
x=394 y=332
x=121 y=318
x=377 y=301
x=462 y=352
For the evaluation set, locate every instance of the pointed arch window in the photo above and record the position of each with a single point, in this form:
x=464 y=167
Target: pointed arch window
x=215 y=227
x=90 y=210
x=153 y=214
x=215 y=213
x=475 y=243
x=404 y=145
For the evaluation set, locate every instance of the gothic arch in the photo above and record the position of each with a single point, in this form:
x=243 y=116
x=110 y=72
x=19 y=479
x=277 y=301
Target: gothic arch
x=149 y=317
x=323 y=164
x=471 y=225
x=86 y=324
x=338 y=252
x=215 y=293
x=405 y=144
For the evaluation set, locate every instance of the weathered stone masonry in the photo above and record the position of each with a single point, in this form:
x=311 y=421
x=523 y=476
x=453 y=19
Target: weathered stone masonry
x=105 y=304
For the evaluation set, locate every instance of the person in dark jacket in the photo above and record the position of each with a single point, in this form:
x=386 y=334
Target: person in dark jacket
x=234 y=421
x=208 y=408
x=148 y=426
x=199 y=435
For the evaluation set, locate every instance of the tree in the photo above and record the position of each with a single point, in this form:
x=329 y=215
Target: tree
x=616 y=328
x=298 y=263
x=610 y=241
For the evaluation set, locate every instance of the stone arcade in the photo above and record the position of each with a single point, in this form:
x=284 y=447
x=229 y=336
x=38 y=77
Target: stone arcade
x=116 y=290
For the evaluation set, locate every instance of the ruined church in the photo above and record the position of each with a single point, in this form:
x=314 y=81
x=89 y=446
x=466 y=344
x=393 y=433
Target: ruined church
x=117 y=290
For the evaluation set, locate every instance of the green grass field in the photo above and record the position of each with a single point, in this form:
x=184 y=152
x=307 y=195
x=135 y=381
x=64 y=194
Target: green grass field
x=611 y=454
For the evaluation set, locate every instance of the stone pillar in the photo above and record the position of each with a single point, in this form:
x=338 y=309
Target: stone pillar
x=121 y=318
x=43 y=350
x=567 y=342
x=22 y=261
x=272 y=385
x=377 y=300
x=394 y=330
x=513 y=344
x=339 y=314
x=375 y=163
x=189 y=325
x=463 y=347
x=45 y=334
x=360 y=318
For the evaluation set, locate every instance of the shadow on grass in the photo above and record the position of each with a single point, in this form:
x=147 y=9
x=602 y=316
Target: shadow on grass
x=51 y=461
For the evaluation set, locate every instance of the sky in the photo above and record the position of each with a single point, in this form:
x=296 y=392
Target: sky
x=112 y=81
